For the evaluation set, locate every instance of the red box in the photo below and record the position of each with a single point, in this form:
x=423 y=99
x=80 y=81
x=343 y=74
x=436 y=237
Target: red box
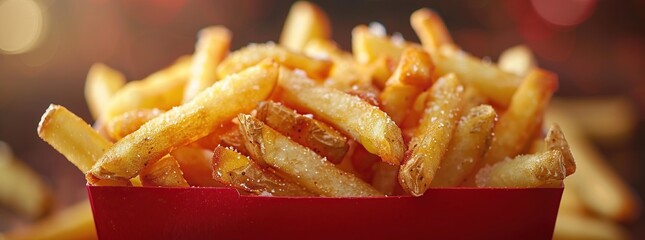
x=206 y=213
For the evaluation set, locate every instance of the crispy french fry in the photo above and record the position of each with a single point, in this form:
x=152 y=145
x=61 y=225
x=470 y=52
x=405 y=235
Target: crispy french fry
x=515 y=127
x=468 y=145
x=128 y=122
x=380 y=70
x=305 y=130
x=305 y=22
x=570 y=226
x=345 y=71
x=237 y=170
x=430 y=28
x=298 y=163
x=21 y=189
x=349 y=114
x=368 y=46
x=164 y=172
x=101 y=83
x=367 y=93
x=555 y=141
x=75 y=222
x=196 y=166
x=163 y=89
x=254 y=53
x=411 y=77
x=518 y=60
x=212 y=46
x=537 y=170
x=491 y=81
x=187 y=123
x=411 y=120
x=431 y=139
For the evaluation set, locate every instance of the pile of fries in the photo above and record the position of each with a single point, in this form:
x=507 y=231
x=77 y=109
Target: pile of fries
x=304 y=118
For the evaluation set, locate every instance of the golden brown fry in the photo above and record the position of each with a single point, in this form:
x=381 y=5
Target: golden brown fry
x=237 y=170
x=491 y=81
x=518 y=60
x=349 y=114
x=468 y=145
x=255 y=53
x=570 y=226
x=298 y=163
x=187 y=123
x=128 y=122
x=212 y=46
x=303 y=129
x=431 y=139
x=164 y=172
x=411 y=77
x=380 y=70
x=345 y=71
x=164 y=89
x=368 y=46
x=196 y=166
x=75 y=222
x=430 y=28
x=538 y=170
x=101 y=83
x=555 y=141
x=411 y=120
x=516 y=126
x=305 y=22
x=21 y=189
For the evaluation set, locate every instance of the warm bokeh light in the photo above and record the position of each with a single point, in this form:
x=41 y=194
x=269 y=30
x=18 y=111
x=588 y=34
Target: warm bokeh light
x=21 y=25
x=564 y=13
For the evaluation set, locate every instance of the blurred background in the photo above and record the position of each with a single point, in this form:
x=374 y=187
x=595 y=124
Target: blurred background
x=47 y=47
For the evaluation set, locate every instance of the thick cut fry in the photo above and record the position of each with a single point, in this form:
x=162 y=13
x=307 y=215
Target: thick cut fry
x=380 y=70
x=75 y=222
x=101 y=83
x=368 y=46
x=518 y=60
x=491 y=81
x=516 y=126
x=305 y=130
x=570 y=226
x=468 y=145
x=431 y=139
x=430 y=28
x=164 y=172
x=411 y=77
x=298 y=163
x=349 y=114
x=555 y=141
x=305 y=22
x=538 y=170
x=212 y=46
x=254 y=53
x=128 y=122
x=21 y=189
x=187 y=123
x=196 y=166
x=237 y=170
x=345 y=71
x=163 y=89
x=227 y=135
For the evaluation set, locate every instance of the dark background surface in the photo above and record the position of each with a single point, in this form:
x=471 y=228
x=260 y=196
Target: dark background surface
x=598 y=51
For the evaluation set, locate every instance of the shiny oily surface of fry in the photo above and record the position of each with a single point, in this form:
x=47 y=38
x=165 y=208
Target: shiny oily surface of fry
x=212 y=46
x=184 y=124
x=196 y=166
x=129 y=122
x=345 y=71
x=369 y=44
x=299 y=163
x=304 y=130
x=163 y=89
x=255 y=53
x=538 y=170
x=164 y=172
x=468 y=145
x=237 y=170
x=431 y=139
x=518 y=60
x=101 y=83
x=21 y=189
x=75 y=222
x=365 y=123
x=555 y=141
x=305 y=22
x=516 y=126
x=429 y=26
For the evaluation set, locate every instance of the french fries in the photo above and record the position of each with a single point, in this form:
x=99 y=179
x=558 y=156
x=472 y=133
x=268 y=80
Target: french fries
x=431 y=30
x=345 y=72
x=75 y=222
x=538 y=170
x=237 y=170
x=299 y=163
x=368 y=46
x=164 y=172
x=101 y=83
x=358 y=119
x=212 y=46
x=128 y=122
x=304 y=23
x=196 y=166
x=431 y=139
x=186 y=123
x=555 y=141
x=518 y=60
